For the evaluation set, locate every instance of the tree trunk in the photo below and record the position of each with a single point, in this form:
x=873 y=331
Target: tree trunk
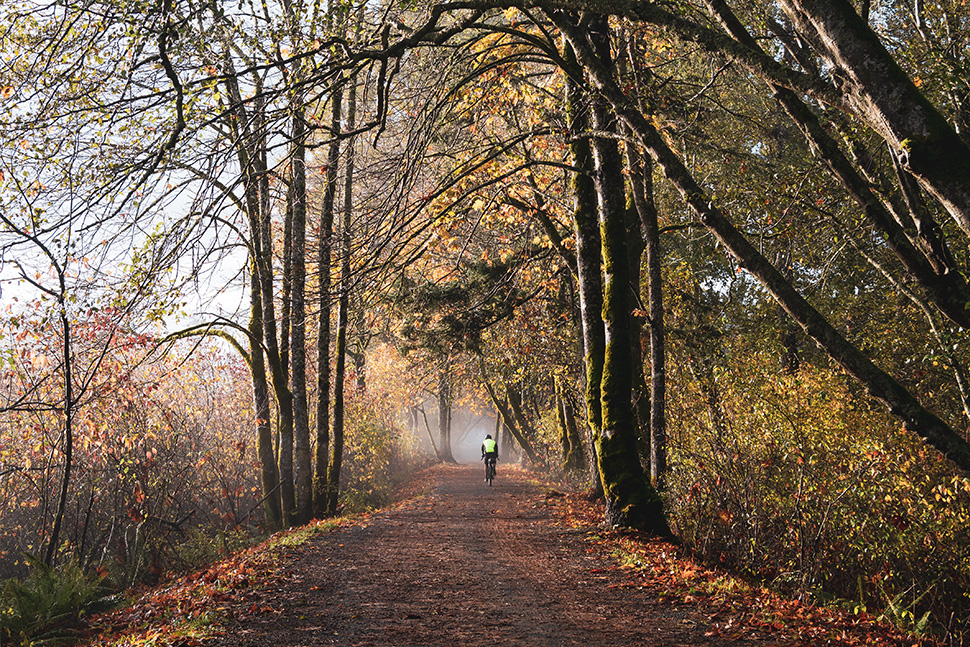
x=630 y=499
x=641 y=180
x=502 y=437
x=587 y=260
x=339 y=374
x=258 y=193
x=325 y=253
x=640 y=392
x=269 y=476
x=572 y=443
x=511 y=428
x=561 y=421
x=444 y=415
x=251 y=156
x=301 y=414
x=68 y=426
x=251 y=153
x=880 y=93
x=526 y=431
x=343 y=309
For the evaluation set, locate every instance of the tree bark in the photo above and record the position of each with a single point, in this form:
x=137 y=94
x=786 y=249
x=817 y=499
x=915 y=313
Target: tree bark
x=301 y=414
x=641 y=180
x=880 y=93
x=630 y=499
x=571 y=440
x=261 y=222
x=269 y=475
x=325 y=254
x=251 y=155
x=246 y=151
x=343 y=310
x=588 y=269
x=339 y=375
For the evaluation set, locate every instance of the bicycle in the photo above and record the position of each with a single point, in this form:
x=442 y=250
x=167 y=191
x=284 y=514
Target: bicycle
x=490 y=469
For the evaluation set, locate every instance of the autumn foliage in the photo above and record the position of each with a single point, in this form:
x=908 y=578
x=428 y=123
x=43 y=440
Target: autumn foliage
x=791 y=480
x=162 y=451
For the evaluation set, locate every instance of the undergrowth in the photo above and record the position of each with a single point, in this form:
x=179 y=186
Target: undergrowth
x=40 y=607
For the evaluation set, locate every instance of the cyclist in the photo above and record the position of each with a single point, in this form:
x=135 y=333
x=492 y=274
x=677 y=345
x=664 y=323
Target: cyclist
x=489 y=454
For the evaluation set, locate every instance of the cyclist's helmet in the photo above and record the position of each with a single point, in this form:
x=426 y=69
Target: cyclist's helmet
x=488 y=435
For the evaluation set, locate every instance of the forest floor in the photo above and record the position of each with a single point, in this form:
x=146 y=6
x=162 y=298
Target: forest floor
x=458 y=563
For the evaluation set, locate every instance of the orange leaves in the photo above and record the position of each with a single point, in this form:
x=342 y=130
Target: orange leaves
x=736 y=609
x=163 y=616
x=138 y=495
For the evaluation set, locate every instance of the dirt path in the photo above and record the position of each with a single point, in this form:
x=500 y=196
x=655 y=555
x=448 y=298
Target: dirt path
x=467 y=565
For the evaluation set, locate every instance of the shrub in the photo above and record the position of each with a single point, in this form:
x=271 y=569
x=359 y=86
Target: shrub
x=39 y=607
x=793 y=481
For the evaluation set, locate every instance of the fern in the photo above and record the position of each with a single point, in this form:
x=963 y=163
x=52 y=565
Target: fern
x=35 y=610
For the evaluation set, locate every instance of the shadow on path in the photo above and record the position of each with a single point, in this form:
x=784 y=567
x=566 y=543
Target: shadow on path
x=465 y=566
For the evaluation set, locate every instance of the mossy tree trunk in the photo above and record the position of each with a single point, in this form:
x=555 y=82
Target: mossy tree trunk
x=630 y=498
x=526 y=433
x=588 y=264
x=570 y=439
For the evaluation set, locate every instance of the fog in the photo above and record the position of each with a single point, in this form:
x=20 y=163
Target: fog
x=467 y=432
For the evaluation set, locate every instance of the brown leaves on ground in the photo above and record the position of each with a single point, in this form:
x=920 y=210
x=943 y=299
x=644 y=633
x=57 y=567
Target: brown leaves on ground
x=183 y=612
x=187 y=611
x=737 y=609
